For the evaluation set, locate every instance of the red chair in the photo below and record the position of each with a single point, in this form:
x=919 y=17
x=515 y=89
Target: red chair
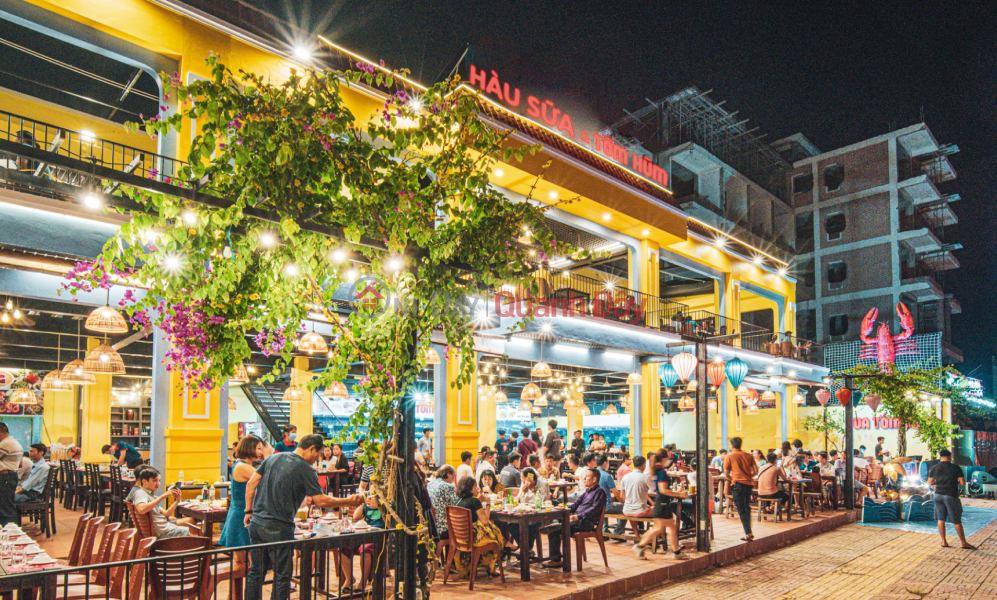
x=116 y=574
x=182 y=577
x=77 y=545
x=462 y=540
x=581 y=536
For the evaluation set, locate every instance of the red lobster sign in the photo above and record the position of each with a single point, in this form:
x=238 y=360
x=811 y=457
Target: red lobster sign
x=884 y=347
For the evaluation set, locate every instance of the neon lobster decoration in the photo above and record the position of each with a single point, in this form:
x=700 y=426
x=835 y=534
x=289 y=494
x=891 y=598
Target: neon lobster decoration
x=884 y=347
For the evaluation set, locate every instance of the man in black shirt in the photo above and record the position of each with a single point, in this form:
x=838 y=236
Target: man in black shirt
x=947 y=478
x=553 y=443
x=879 y=448
x=578 y=444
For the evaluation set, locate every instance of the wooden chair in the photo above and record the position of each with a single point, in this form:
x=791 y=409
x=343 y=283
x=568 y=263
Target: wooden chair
x=462 y=540
x=777 y=508
x=143 y=548
x=73 y=559
x=104 y=551
x=813 y=492
x=42 y=510
x=115 y=574
x=875 y=478
x=581 y=536
x=96 y=496
x=117 y=496
x=182 y=577
x=74 y=492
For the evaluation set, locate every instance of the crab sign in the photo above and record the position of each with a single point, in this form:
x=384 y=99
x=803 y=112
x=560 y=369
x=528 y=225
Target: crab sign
x=881 y=345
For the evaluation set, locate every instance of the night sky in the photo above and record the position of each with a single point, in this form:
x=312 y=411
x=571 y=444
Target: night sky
x=836 y=74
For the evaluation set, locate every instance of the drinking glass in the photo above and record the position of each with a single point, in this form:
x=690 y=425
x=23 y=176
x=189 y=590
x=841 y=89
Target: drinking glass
x=18 y=558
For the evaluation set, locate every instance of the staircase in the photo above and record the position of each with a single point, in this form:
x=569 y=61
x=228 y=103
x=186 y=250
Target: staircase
x=267 y=399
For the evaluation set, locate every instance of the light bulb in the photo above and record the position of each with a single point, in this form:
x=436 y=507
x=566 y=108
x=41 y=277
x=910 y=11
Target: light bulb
x=498 y=172
x=5 y=318
x=415 y=104
x=189 y=217
x=91 y=201
x=9 y=305
x=172 y=263
x=302 y=53
x=395 y=264
x=338 y=255
x=105 y=357
x=552 y=195
x=267 y=239
x=17 y=313
x=352 y=274
x=291 y=270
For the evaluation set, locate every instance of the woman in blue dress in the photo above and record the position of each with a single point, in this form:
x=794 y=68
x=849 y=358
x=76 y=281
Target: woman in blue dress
x=234 y=532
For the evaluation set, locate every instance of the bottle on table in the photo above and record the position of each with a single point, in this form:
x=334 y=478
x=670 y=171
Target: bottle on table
x=211 y=493
x=204 y=492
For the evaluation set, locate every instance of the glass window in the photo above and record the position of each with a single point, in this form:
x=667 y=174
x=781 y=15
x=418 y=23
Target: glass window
x=837 y=273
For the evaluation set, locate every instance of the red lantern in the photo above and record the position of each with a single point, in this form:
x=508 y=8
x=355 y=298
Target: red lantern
x=823 y=396
x=873 y=401
x=715 y=371
x=844 y=396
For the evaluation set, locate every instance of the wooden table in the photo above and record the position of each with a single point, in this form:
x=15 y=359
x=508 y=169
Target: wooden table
x=207 y=518
x=524 y=520
x=796 y=504
x=32 y=581
x=562 y=486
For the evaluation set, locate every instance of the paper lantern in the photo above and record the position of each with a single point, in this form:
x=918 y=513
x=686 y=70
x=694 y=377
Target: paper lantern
x=736 y=370
x=873 y=401
x=541 y=370
x=337 y=390
x=668 y=375
x=715 y=371
x=530 y=392
x=684 y=363
x=293 y=394
x=823 y=396
x=312 y=343
x=106 y=320
x=844 y=396
x=104 y=360
x=53 y=382
x=432 y=357
x=799 y=399
x=749 y=396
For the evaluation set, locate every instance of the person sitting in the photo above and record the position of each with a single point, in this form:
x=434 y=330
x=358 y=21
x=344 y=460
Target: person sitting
x=147 y=480
x=759 y=458
x=585 y=514
x=489 y=484
x=533 y=483
x=483 y=530
x=464 y=468
x=768 y=481
x=126 y=454
x=510 y=476
x=34 y=484
x=636 y=493
x=487 y=463
x=718 y=460
x=793 y=467
x=614 y=495
x=624 y=468
x=550 y=469
x=370 y=513
x=442 y=493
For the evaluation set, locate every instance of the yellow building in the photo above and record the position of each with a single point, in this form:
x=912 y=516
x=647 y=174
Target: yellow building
x=663 y=275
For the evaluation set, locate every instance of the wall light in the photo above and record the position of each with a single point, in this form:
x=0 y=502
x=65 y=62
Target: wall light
x=606 y=216
x=91 y=200
x=552 y=195
x=498 y=172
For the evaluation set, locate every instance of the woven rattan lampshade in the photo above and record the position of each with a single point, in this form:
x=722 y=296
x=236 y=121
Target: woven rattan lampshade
x=530 y=392
x=313 y=343
x=293 y=394
x=22 y=395
x=104 y=360
x=147 y=388
x=231 y=403
x=337 y=390
x=74 y=374
x=751 y=410
x=610 y=410
x=432 y=357
x=536 y=410
x=525 y=405
x=541 y=370
x=584 y=410
x=106 y=320
x=53 y=382
x=241 y=375
x=635 y=378
x=541 y=401
x=571 y=403
x=501 y=398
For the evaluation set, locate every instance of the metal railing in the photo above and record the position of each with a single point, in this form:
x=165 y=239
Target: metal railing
x=219 y=573
x=582 y=295
x=784 y=345
x=83 y=146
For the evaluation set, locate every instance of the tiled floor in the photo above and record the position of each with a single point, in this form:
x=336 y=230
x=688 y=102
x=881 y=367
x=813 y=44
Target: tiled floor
x=854 y=563
x=625 y=574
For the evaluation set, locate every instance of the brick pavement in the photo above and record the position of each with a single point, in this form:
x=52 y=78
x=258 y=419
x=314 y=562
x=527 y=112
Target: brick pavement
x=855 y=563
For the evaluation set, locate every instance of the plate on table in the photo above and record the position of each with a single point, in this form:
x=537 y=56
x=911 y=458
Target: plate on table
x=42 y=559
x=361 y=525
x=23 y=541
x=33 y=550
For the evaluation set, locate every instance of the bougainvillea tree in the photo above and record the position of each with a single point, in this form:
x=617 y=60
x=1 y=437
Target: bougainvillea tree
x=287 y=197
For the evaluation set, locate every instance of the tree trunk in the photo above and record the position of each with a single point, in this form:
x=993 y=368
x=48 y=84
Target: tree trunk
x=405 y=504
x=902 y=438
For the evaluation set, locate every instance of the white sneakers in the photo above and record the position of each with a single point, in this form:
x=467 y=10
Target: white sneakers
x=639 y=552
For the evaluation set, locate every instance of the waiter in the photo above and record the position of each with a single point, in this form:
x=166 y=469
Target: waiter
x=11 y=454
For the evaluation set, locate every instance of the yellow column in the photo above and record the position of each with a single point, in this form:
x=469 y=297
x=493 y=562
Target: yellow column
x=96 y=414
x=575 y=422
x=650 y=410
x=193 y=433
x=301 y=412
x=59 y=416
x=794 y=412
x=462 y=413
x=487 y=420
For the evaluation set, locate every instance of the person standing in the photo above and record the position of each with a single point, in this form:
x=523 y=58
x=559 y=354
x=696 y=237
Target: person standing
x=287 y=444
x=11 y=453
x=879 y=448
x=553 y=444
x=33 y=486
x=741 y=469
x=425 y=444
x=234 y=532
x=578 y=443
x=663 y=513
x=947 y=478
x=125 y=454
x=503 y=445
x=526 y=445
x=273 y=495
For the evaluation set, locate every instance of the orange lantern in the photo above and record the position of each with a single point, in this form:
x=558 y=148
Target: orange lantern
x=715 y=371
x=844 y=396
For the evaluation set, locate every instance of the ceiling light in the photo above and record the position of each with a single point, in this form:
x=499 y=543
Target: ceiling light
x=720 y=243
x=645 y=232
x=189 y=217
x=312 y=343
x=17 y=313
x=606 y=216
x=552 y=195
x=5 y=318
x=757 y=260
x=783 y=271
x=9 y=305
x=415 y=104
x=498 y=172
x=172 y=263
x=91 y=200
x=546 y=328
x=609 y=285
x=87 y=136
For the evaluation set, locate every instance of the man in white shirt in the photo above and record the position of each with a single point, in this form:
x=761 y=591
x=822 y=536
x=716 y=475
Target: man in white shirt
x=636 y=488
x=487 y=464
x=464 y=468
x=425 y=443
x=860 y=464
x=11 y=454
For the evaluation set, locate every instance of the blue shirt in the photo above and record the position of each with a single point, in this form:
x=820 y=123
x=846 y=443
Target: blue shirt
x=282 y=447
x=607 y=484
x=131 y=454
x=36 y=478
x=718 y=462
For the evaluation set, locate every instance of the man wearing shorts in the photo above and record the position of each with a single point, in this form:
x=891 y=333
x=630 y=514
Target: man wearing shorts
x=947 y=477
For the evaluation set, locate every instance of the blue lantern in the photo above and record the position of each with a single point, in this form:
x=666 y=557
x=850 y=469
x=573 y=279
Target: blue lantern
x=669 y=376
x=736 y=370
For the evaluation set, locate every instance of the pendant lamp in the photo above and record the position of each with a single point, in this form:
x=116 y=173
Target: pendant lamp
x=432 y=356
x=241 y=375
x=106 y=320
x=583 y=410
x=231 y=403
x=610 y=410
x=147 y=388
x=768 y=396
x=293 y=394
x=22 y=395
x=873 y=401
x=691 y=386
x=570 y=403
x=751 y=409
x=525 y=405
x=736 y=370
x=530 y=392
x=715 y=371
x=104 y=360
x=635 y=377
x=337 y=390
x=53 y=381
x=73 y=372
x=501 y=398
x=712 y=404
x=312 y=343
x=541 y=401
x=684 y=363
x=799 y=399
x=536 y=410
x=668 y=375
x=844 y=396
x=823 y=396
x=541 y=370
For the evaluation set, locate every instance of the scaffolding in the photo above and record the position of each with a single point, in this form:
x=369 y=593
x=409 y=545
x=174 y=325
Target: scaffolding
x=692 y=116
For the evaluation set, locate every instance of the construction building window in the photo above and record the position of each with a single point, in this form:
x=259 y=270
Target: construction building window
x=834 y=176
x=835 y=225
x=804 y=232
x=803 y=183
x=838 y=325
x=807 y=275
x=837 y=273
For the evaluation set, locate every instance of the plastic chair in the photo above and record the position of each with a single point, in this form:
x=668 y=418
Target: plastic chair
x=182 y=577
x=462 y=540
x=581 y=536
